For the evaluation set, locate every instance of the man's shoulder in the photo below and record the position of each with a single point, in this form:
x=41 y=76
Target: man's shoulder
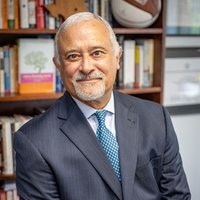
x=43 y=122
x=133 y=100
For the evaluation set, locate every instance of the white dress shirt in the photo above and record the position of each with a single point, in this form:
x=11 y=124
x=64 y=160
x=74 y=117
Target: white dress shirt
x=89 y=114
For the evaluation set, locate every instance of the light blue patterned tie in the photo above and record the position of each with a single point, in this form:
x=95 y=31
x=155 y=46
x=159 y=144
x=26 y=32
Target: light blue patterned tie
x=108 y=142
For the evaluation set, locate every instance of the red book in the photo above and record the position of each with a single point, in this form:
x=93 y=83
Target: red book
x=40 y=14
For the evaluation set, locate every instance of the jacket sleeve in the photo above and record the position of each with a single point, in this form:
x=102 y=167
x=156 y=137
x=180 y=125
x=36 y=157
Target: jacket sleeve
x=173 y=183
x=34 y=178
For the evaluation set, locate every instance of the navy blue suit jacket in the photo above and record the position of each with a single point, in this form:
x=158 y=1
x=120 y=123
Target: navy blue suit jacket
x=59 y=157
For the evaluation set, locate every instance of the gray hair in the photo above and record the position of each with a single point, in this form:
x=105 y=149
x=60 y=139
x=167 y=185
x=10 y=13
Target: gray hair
x=85 y=16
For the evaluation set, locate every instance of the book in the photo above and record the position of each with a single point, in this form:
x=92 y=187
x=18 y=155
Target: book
x=36 y=69
x=32 y=13
x=15 y=60
x=10 y=13
x=139 y=64
x=12 y=70
x=40 y=14
x=7 y=148
x=24 y=23
x=59 y=85
x=1 y=15
x=2 y=194
x=119 y=77
x=52 y=20
x=2 y=79
x=148 y=62
x=7 y=68
x=16 y=14
x=129 y=63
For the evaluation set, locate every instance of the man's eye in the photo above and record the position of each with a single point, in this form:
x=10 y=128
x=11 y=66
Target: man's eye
x=97 y=53
x=73 y=57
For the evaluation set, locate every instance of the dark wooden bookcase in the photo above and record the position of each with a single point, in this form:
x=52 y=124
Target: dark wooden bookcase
x=26 y=104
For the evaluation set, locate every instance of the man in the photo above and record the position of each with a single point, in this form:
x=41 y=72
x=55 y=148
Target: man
x=69 y=153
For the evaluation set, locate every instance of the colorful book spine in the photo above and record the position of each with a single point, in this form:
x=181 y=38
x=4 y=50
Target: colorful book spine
x=1 y=15
x=59 y=85
x=16 y=14
x=7 y=69
x=40 y=14
x=2 y=76
x=4 y=14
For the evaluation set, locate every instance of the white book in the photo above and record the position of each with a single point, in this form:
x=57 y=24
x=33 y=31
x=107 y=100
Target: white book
x=32 y=14
x=103 y=4
x=129 y=63
x=24 y=21
x=52 y=22
x=9 y=195
x=148 y=62
x=141 y=61
x=7 y=145
x=10 y=9
x=36 y=69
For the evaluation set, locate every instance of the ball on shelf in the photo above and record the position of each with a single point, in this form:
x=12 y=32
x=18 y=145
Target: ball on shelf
x=136 y=13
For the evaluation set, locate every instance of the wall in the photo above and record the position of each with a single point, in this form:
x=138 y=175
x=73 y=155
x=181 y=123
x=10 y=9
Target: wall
x=188 y=132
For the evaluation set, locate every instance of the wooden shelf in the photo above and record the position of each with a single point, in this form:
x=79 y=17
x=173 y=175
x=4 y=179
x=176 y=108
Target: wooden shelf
x=140 y=90
x=138 y=31
x=53 y=32
x=29 y=97
x=27 y=31
x=7 y=177
x=54 y=96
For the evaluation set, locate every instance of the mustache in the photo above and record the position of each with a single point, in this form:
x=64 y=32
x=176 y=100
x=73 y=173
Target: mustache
x=81 y=76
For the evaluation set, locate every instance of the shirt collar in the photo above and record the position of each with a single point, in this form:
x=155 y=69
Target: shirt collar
x=88 y=110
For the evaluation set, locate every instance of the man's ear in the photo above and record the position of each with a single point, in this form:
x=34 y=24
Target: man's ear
x=118 y=57
x=56 y=63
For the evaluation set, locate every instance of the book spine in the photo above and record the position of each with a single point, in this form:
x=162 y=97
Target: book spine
x=4 y=14
x=12 y=72
x=2 y=78
x=96 y=7
x=7 y=149
x=7 y=69
x=10 y=13
x=148 y=63
x=32 y=13
x=129 y=63
x=119 y=78
x=15 y=68
x=137 y=65
x=46 y=15
x=59 y=86
x=52 y=23
x=24 y=14
x=40 y=14
x=1 y=14
x=16 y=13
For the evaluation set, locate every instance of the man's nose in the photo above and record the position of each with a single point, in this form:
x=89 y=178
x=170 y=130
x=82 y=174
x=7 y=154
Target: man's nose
x=86 y=65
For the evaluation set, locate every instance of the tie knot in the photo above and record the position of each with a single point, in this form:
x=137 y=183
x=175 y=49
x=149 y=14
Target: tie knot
x=100 y=115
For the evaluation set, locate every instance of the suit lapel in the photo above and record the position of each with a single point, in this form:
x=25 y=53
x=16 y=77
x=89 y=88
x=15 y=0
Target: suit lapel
x=82 y=135
x=126 y=128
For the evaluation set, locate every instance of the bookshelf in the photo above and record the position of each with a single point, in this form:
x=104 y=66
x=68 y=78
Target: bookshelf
x=27 y=103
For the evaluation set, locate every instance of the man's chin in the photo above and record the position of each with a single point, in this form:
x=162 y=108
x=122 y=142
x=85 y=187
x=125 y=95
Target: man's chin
x=89 y=95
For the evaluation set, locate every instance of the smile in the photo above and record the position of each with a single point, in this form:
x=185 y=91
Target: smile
x=89 y=80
